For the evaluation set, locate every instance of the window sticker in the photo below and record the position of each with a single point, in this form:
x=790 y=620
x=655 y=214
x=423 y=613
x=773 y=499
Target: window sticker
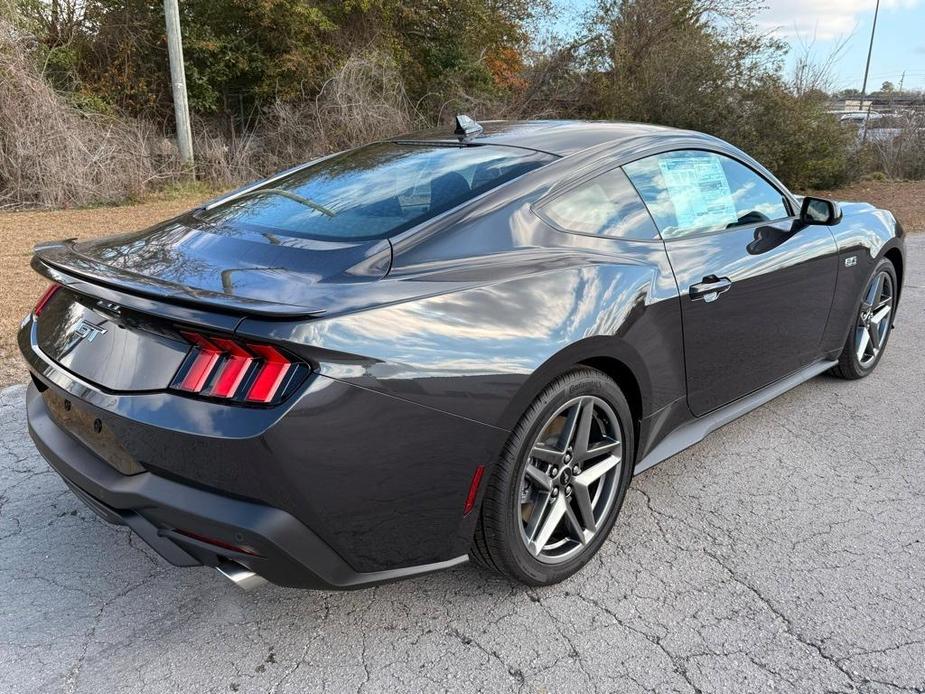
x=699 y=192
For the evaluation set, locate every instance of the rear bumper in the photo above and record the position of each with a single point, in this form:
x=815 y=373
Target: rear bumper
x=278 y=546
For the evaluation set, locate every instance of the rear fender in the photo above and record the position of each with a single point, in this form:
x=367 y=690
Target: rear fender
x=589 y=351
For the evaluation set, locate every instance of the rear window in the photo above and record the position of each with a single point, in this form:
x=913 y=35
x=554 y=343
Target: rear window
x=374 y=191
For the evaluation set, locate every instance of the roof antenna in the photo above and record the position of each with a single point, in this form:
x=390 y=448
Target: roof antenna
x=466 y=127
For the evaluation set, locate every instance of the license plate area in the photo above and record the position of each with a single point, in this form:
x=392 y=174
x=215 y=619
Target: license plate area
x=91 y=431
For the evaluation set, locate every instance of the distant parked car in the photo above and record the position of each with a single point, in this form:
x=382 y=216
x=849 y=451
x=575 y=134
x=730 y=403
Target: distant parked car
x=444 y=345
x=859 y=118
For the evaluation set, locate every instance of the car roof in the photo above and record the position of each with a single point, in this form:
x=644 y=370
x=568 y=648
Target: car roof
x=559 y=137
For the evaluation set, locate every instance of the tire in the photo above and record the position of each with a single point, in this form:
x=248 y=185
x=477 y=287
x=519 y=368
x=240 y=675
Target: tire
x=594 y=493
x=861 y=338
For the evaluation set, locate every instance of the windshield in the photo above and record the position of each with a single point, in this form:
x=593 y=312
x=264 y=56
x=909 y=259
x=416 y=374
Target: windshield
x=374 y=191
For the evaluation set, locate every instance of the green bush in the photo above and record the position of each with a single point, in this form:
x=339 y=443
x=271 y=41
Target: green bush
x=793 y=136
x=703 y=65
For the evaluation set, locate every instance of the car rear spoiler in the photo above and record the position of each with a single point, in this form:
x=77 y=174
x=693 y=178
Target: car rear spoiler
x=60 y=262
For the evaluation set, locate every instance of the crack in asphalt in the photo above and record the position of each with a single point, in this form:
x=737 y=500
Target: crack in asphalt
x=791 y=628
x=515 y=673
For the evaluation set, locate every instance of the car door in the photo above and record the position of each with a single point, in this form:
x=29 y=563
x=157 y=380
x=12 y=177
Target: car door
x=755 y=285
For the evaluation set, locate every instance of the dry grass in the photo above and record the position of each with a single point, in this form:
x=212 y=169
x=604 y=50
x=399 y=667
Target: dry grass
x=364 y=100
x=905 y=199
x=52 y=154
x=20 y=231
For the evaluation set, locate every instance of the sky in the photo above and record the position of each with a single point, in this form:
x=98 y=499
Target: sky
x=899 y=44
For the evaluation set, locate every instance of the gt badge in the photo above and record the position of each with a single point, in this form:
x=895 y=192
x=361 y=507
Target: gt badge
x=85 y=330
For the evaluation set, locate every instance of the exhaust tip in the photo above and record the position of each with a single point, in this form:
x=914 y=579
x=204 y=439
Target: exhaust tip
x=240 y=575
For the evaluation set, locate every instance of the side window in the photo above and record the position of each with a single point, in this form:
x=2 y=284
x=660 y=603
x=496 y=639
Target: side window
x=606 y=205
x=689 y=192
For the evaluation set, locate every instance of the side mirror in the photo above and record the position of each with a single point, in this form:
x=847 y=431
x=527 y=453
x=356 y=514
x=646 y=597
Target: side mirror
x=820 y=211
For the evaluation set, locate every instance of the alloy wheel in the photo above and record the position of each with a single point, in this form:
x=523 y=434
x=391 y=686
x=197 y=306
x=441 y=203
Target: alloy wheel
x=570 y=480
x=874 y=319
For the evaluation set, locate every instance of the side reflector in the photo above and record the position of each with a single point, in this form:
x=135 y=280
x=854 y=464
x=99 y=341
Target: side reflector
x=45 y=298
x=270 y=376
x=474 y=489
x=217 y=543
x=207 y=355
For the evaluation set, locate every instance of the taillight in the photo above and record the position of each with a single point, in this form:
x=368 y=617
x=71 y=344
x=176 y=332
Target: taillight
x=205 y=357
x=274 y=369
x=219 y=367
x=232 y=372
x=45 y=298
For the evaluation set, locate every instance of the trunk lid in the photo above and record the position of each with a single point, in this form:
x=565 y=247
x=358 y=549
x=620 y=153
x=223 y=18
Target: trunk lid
x=114 y=321
x=232 y=268
x=107 y=345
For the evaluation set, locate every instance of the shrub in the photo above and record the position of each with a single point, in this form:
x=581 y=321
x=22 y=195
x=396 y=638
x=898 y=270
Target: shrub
x=363 y=100
x=898 y=148
x=52 y=154
x=700 y=65
x=793 y=136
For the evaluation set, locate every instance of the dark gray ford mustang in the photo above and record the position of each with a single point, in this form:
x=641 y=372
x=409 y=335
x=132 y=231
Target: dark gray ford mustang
x=446 y=345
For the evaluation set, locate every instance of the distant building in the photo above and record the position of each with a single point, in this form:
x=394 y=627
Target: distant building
x=854 y=105
x=881 y=102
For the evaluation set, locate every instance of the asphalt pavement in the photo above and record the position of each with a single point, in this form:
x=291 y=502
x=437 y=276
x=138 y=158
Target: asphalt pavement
x=785 y=553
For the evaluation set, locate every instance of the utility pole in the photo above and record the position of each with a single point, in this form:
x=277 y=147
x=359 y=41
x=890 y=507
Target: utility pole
x=178 y=81
x=870 y=50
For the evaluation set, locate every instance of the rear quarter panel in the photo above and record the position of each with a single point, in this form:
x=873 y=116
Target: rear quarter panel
x=489 y=331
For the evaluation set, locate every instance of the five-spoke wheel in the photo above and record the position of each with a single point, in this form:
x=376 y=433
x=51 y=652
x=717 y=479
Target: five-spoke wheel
x=570 y=480
x=871 y=331
x=560 y=482
x=874 y=319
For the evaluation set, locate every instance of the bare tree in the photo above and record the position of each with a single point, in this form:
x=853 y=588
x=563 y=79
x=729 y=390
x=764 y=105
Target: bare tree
x=813 y=72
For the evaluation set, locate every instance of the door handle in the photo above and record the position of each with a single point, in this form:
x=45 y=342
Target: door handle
x=710 y=289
